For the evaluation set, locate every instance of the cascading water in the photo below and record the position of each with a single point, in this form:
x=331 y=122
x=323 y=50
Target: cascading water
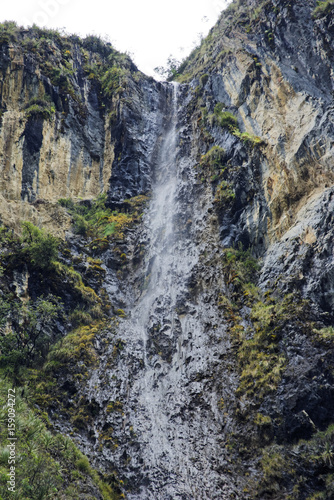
x=168 y=378
x=155 y=317
x=178 y=450
x=160 y=259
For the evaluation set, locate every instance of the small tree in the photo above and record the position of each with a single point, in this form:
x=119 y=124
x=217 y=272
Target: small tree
x=171 y=70
x=40 y=247
x=33 y=328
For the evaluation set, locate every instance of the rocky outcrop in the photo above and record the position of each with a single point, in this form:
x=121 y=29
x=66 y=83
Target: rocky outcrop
x=215 y=361
x=271 y=68
x=60 y=133
x=135 y=135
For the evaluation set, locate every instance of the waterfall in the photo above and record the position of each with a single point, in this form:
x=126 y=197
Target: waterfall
x=168 y=377
x=160 y=258
x=155 y=314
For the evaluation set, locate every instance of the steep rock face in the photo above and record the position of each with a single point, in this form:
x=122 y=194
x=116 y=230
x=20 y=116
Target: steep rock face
x=272 y=69
x=276 y=75
x=38 y=161
x=160 y=383
x=205 y=379
x=59 y=138
x=135 y=135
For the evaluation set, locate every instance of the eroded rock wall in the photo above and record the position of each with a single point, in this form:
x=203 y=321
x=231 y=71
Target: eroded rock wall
x=66 y=147
x=226 y=370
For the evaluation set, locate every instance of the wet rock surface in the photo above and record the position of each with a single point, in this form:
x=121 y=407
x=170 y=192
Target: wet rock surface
x=167 y=407
x=166 y=379
x=166 y=388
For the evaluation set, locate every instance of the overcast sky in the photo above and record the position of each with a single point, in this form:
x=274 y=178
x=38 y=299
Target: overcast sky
x=147 y=29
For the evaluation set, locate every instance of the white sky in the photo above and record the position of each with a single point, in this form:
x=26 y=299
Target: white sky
x=149 y=30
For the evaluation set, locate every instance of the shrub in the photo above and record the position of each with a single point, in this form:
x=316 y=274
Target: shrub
x=95 y=43
x=325 y=334
x=95 y=220
x=8 y=32
x=112 y=81
x=261 y=357
x=213 y=159
x=224 y=193
x=33 y=328
x=172 y=70
x=204 y=79
x=83 y=464
x=80 y=316
x=66 y=203
x=39 y=107
x=48 y=462
x=219 y=108
x=228 y=120
x=262 y=420
x=40 y=247
x=240 y=267
x=322 y=7
x=248 y=138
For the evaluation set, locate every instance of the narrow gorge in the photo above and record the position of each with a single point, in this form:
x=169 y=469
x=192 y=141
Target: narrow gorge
x=166 y=263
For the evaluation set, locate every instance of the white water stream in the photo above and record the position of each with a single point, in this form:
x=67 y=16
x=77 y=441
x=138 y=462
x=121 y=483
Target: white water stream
x=155 y=316
x=160 y=258
x=171 y=445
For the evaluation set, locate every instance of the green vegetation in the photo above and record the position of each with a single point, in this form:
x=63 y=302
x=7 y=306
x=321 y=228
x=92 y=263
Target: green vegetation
x=324 y=334
x=54 y=53
x=262 y=420
x=273 y=464
x=40 y=108
x=204 y=79
x=247 y=138
x=172 y=69
x=227 y=120
x=83 y=294
x=110 y=75
x=295 y=471
x=212 y=166
x=195 y=64
x=96 y=221
x=32 y=331
x=76 y=346
x=260 y=337
x=213 y=159
x=224 y=193
x=323 y=8
x=260 y=356
x=8 y=32
x=90 y=219
x=47 y=465
x=112 y=81
x=29 y=327
x=74 y=357
x=240 y=15
x=240 y=269
x=39 y=247
x=35 y=352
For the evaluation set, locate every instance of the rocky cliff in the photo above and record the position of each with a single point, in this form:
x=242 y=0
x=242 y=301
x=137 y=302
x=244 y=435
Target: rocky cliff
x=64 y=117
x=181 y=329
